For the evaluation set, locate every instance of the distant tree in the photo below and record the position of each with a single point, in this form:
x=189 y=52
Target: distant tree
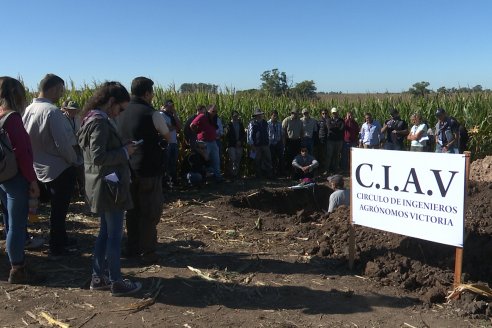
x=198 y=87
x=477 y=88
x=304 y=89
x=464 y=90
x=420 y=89
x=442 y=90
x=274 y=82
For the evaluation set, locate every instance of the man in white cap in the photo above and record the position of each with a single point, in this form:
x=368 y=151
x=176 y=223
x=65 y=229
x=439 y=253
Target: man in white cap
x=259 y=142
x=334 y=141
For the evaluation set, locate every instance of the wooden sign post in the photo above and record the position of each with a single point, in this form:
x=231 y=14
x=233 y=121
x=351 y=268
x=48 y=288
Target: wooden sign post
x=458 y=262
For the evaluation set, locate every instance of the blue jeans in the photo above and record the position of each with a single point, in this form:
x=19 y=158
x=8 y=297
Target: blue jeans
x=15 y=196
x=108 y=245
x=172 y=160
x=213 y=155
x=451 y=150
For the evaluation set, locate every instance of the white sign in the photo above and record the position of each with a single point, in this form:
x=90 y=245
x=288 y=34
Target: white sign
x=415 y=194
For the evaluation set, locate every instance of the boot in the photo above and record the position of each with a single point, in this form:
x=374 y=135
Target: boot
x=22 y=275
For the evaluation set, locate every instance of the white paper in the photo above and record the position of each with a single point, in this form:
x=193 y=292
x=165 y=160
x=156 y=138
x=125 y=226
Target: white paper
x=112 y=177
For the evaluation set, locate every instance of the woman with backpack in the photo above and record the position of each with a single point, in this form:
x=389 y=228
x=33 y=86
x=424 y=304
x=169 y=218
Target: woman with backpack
x=19 y=183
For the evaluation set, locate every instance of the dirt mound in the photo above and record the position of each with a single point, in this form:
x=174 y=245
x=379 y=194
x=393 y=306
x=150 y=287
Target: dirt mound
x=408 y=263
x=481 y=170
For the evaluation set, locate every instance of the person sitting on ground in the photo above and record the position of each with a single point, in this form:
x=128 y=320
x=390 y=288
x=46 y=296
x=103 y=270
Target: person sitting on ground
x=340 y=195
x=196 y=165
x=304 y=165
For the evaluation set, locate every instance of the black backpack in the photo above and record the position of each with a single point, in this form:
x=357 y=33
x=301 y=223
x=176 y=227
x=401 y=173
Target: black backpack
x=8 y=163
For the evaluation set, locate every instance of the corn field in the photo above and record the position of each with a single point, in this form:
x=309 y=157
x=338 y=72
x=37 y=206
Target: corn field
x=474 y=110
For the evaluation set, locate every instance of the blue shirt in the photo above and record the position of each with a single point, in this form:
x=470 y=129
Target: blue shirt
x=274 y=132
x=370 y=133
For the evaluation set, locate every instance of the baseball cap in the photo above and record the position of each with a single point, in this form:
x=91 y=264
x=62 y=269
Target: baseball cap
x=440 y=111
x=334 y=110
x=336 y=179
x=305 y=110
x=70 y=105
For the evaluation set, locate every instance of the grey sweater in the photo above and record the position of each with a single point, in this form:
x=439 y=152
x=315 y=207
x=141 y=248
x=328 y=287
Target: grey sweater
x=52 y=139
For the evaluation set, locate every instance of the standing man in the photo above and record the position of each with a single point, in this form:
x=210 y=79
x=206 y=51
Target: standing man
x=335 y=141
x=276 y=143
x=370 y=133
x=235 y=141
x=292 y=132
x=258 y=140
x=70 y=108
x=55 y=157
x=205 y=126
x=174 y=125
x=189 y=134
x=350 y=139
x=310 y=128
x=323 y=131
x=396 y=130
x=140 y=121
x=447 y=133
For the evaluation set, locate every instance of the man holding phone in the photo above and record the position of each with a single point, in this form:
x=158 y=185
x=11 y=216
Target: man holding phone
x=144 y=126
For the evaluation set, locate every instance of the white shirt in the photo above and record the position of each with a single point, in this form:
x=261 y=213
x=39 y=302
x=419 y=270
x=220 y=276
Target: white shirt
x=423 y=138
x=172 y=133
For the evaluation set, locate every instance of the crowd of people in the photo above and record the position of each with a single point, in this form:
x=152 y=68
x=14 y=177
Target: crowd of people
x=119 y=152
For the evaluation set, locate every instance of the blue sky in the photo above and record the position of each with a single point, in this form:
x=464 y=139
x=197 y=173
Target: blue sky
x=348 y=46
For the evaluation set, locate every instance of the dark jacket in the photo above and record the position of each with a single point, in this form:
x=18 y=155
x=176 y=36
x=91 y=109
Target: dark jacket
x=258 y=133
x=136 y=123
x=103 y=154
x=231 y=134
x=336 y=129
x=323 y=130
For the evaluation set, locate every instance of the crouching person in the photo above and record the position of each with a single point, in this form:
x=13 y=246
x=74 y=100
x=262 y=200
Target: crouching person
x=197 y=165
x=304 y=165
x=107 y=175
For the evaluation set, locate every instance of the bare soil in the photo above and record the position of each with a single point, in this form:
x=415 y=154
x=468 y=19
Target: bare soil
x=253 y=253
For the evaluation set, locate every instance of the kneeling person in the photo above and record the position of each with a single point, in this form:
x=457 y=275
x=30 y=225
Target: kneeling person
x=304 y=165
x=340 y=195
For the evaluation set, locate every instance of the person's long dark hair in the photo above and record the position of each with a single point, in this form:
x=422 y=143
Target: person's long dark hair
x=102 y=95
x=12 y=94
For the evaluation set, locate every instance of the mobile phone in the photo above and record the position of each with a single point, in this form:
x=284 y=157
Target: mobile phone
x=138 y=142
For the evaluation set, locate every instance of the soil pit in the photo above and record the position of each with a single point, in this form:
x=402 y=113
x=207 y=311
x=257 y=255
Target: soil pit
x=285 y=200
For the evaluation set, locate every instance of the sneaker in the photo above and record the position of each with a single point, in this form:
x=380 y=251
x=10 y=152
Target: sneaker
x=125 y=287
x=22 y=275
x=100 y=283
x=34 y=243
x=149 y=258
